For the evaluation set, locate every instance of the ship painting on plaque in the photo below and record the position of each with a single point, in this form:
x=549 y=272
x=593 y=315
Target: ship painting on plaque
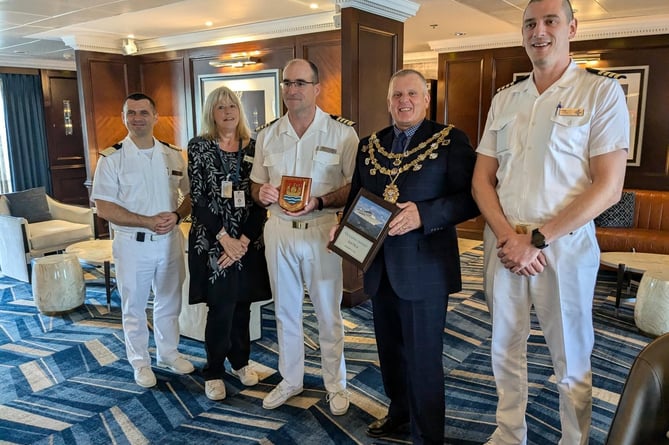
x=363 y=229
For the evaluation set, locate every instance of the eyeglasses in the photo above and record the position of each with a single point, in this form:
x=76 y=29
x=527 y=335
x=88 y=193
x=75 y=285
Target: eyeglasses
x=299 y=84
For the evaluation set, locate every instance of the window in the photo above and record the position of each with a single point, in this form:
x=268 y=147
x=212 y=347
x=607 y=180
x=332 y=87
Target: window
x=5 y=172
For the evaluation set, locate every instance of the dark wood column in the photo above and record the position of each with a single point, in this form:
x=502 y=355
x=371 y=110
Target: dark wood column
x=371 y=48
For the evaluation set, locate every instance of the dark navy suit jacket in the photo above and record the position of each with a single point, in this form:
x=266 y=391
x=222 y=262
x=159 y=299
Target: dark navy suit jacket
x=423 y=263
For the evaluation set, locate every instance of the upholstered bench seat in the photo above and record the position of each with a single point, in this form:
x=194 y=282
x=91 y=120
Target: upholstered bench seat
x=619 y=239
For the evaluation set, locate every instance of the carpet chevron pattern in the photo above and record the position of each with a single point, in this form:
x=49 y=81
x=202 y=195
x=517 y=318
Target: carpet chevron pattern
x=65 y=380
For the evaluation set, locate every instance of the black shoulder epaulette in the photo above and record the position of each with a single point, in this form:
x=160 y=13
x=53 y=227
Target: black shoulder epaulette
x=519 y=79
x=167 y=144
x=111 y=150
x=265 y=125
x=610 y=74
x=343 y=120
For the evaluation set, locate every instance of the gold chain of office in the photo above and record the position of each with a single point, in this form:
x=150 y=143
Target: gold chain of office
x=392 y=192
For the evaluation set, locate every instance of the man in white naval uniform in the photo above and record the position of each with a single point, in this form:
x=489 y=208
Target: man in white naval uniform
x=136 y=188
x=305 y=142
x=552 y=158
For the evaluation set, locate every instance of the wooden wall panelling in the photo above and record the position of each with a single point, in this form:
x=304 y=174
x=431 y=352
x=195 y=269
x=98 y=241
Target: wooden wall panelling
x=104 y=81
x=164 y=81
x=463 y=96
x=67 y=163
x=326 y=55
x=371 y=53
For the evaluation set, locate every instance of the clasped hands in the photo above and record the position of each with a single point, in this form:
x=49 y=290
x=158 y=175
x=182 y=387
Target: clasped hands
x=162 y=223
x=233 y=250
x=519 y=256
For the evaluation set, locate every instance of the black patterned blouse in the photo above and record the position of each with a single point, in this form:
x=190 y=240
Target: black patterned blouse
x=208 y=168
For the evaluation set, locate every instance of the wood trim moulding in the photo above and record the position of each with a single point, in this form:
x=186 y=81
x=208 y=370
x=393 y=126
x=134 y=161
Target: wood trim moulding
x=607 y=29
x=399 y=10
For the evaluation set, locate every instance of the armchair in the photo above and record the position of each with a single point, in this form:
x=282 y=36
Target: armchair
x=21 y=241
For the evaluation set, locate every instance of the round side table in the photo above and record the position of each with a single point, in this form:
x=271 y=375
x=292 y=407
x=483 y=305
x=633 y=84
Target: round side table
x=57 y=283
x=651 y=312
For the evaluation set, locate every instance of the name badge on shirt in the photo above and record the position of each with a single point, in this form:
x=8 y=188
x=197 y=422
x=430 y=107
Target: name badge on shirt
x=177 y=173
x=571 y=112
x=226 y=189
x=240 y=201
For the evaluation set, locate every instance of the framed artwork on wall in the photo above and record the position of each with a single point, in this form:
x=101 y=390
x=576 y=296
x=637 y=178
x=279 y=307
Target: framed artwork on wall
x=258 y=92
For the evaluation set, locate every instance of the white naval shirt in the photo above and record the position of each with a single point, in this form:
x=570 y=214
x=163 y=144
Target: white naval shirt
x=543 y=143
x=325 y=153
x=141 y=184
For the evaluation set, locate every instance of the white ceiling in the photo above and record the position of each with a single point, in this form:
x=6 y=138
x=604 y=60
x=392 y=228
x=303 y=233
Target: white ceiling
x=44 y=33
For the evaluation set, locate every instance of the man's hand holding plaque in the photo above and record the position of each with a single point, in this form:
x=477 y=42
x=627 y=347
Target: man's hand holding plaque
x=294 y=193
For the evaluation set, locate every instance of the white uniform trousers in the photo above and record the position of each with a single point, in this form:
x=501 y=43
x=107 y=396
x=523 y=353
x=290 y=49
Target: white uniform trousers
x=562 y=297
x=296 y=256
x=141 y=267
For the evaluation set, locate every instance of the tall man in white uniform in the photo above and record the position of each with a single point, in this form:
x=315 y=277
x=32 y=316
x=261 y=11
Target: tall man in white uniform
x=136 y=188
x=305 y=142
x=552 y=158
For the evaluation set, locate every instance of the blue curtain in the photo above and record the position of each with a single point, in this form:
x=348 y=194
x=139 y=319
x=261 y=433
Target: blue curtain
x=26 y=132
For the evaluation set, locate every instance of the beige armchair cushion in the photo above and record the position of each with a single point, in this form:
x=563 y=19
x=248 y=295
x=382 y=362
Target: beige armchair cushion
x=56 y=232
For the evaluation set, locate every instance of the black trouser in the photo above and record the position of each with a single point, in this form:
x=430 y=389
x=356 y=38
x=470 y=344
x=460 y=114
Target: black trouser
x=227 y=335
x=409 y=337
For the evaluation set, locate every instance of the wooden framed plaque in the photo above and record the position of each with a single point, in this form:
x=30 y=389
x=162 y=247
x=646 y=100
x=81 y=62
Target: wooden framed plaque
x=363 y=229
x=294 y=193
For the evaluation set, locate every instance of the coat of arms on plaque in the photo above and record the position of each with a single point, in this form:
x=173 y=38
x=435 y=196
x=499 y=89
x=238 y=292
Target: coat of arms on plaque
x=294 y=193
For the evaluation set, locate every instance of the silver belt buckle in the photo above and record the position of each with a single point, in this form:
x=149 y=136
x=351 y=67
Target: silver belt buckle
x=300 y=224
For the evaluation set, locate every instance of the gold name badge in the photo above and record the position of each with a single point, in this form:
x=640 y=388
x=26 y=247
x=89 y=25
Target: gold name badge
x=571 y=112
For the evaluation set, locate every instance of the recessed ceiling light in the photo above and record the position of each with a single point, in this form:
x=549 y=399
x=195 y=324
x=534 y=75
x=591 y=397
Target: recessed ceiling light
x=208 y=23
x=131 y=36
x=459 y=33
x=313 y=5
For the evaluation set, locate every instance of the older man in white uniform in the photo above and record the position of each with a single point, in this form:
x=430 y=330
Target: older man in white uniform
x=136 y=188
x=552 y=157
x=310 y=143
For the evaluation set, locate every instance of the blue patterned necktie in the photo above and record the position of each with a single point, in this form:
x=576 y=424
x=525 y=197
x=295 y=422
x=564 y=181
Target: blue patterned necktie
x=399 y=142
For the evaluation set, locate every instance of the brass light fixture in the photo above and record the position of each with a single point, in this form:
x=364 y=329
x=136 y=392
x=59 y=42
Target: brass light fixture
x=236 y=62
x=67 y=117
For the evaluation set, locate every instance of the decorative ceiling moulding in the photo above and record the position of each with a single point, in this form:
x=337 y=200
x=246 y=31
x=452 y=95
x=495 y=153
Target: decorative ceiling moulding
x=101 y=44
x=45 y=64
x=306 y=24
x=608 y=29
x=399 y=10
x=421 y=57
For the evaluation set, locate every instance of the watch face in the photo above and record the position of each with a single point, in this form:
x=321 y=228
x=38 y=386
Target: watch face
x=538 y=239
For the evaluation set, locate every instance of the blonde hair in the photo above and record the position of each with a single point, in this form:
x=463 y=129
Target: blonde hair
x=227 y=96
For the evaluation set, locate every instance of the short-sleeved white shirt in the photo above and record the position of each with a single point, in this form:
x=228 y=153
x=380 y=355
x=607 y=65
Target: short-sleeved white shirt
x=543 y=143
x=325 y=153
x=141 y=184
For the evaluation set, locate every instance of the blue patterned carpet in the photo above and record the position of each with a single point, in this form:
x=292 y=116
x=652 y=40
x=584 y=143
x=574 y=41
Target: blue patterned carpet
x=65 y=380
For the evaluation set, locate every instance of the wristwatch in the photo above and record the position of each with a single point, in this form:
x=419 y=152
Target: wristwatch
x=221 y=234
x=538 y=239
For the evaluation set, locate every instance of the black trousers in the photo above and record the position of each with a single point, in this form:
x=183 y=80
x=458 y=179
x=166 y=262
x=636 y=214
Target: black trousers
x=409 y=337
x=227 y=336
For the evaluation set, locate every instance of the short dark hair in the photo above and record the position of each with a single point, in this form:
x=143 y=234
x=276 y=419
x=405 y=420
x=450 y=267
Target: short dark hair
x=312 y=65
x=139 y=96
x=566 y=5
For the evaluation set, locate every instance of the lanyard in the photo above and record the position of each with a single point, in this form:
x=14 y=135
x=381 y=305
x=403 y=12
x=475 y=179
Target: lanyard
x=236 y=177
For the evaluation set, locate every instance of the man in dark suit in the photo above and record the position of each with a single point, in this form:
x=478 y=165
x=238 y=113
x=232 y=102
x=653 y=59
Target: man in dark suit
x=426 y=169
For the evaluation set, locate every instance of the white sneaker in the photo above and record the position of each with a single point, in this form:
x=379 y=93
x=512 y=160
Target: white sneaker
x=280 y=395
x=214 y=389
x=338 y=401
x=247 y=375
x=145 y=377
x=178 y=366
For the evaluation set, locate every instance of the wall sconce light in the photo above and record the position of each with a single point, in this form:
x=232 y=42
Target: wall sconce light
x=236 y=62
x=67 y=117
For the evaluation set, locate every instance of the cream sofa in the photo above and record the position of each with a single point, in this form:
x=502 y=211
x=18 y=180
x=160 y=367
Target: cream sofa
x=21 y=241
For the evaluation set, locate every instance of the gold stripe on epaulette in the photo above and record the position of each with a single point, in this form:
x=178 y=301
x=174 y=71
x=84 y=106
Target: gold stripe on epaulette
x=265 y=125
x=343 y=120
x=510 y=84
x=609 y=74
x=110 y=150
x=172 y=146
